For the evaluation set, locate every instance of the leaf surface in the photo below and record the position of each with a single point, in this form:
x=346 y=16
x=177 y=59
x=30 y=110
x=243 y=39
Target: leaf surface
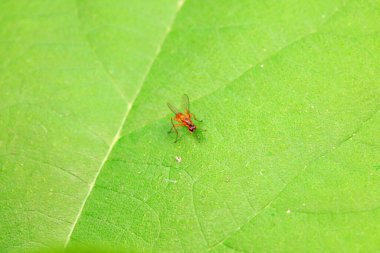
x=287 y=164
x=290 y=96
x=63 y=102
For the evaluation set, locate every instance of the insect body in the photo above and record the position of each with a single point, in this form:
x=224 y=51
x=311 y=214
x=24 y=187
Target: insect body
x=183 y=119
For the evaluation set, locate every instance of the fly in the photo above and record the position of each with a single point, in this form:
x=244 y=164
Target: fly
x=183 y=119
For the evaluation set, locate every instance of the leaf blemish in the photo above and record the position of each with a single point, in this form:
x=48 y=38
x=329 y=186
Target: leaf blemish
x=171 y=180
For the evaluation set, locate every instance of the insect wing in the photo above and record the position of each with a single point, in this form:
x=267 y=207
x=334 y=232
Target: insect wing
x=173 y=108
x=186 y=103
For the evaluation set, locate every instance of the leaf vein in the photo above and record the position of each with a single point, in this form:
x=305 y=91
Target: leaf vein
x=118 y=133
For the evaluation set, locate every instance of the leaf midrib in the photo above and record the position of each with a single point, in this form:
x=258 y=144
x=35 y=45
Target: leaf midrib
x=124 y=118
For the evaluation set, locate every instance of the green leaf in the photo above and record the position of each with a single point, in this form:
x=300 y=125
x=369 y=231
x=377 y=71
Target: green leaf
x=289 y=93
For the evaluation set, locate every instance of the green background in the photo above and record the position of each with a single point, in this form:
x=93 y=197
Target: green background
x=289 y=92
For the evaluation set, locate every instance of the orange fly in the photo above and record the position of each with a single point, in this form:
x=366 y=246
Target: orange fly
x=183 y=119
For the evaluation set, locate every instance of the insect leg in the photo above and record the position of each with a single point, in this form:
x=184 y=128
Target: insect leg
x=174 y=126
x=193 y=115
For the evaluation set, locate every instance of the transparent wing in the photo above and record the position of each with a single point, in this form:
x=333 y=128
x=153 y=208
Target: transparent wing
x=185 y=103
x=173 y=108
